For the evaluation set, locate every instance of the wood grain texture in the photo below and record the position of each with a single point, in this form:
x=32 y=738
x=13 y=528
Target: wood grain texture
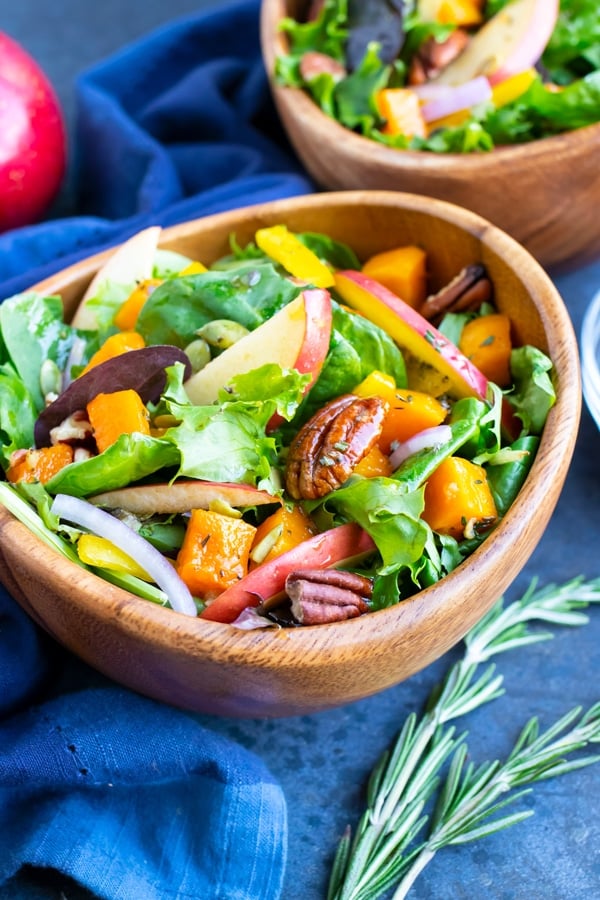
x=545 y=193
x=214 y=668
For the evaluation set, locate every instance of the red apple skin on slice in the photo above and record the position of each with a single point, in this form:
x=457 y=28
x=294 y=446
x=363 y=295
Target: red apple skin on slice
x=296 y=337
x=412 y=332
x=334 y=547
x=132 y=261
x=510 y=42
x=181 y=496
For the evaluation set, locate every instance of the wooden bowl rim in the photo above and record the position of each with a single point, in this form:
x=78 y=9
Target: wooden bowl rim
x=273 y=649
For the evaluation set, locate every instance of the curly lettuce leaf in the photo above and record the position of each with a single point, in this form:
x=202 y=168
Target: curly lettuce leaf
x=32 y=331
x=574 y=47
x=534 y=394
x=18 y=412
x=131 y=458
x=327 y=33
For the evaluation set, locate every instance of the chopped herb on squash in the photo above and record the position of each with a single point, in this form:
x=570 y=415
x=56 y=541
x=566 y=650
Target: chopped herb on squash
x=112 y=415
x=39 y=465
x=403 y=271
x=282 y=530
x=458 y=498
x=215 y=552
x=486 y=341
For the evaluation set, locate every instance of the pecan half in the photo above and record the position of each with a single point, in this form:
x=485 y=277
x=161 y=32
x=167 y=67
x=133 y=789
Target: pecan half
x=433 y=56
x=327 y=595
x=326 y=450
x=467 y=291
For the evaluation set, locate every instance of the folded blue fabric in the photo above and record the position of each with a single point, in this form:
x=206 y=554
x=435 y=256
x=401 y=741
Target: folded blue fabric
x=129 y=798
x=177 y=125
x=134 y=800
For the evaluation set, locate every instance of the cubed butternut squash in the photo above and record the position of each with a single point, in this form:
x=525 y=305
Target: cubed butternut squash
x=128 y=312
x=215 y=552
x=401 y=110
x=486 y=341
x=39 y=465
x=111 y=415
x=403 y=270
x=115 y=345
x=282 y=530
x=458 y=497
x=461 y=12
x=375 y=463
x=409 y=411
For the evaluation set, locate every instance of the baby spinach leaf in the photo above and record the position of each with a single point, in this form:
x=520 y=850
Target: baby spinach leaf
x=248 y=293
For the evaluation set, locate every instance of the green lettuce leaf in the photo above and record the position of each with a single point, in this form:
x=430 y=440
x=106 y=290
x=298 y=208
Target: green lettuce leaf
x=534 y=394
x=131 y=458
x=248 y=293
x=33 y=331
x=18 y=413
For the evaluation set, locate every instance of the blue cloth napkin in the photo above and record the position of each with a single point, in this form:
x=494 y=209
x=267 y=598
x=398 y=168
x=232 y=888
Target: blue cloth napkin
x=129 y=798
x=175 y=126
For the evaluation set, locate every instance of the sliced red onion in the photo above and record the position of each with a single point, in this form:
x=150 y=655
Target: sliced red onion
x=428 y=439
x=101 y=523
x=463 y=96
x=431 y=90
x=249 y=620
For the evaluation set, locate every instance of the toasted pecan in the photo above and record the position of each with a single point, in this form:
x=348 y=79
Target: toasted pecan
x=326 y=450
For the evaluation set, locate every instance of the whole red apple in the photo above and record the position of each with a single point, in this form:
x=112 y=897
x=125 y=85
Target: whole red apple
x=32 y=138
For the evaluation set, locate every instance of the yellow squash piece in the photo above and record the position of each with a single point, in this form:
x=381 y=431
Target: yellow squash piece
x=97 y=551
x=284 y=247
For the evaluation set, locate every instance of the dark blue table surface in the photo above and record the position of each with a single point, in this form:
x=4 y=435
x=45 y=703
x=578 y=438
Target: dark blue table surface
x=323 y=760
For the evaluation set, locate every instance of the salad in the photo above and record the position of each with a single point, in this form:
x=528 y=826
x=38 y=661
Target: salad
x=448 y=76
x=275 y=439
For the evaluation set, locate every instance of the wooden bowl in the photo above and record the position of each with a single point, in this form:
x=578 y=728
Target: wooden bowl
x=544 y=193
x=205 y=666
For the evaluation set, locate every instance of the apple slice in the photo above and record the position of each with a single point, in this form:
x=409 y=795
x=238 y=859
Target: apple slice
x=181 y=496
x=510 y=42
x=296 y=337
x=338 y=546
x=132 y=261
x=412 y=333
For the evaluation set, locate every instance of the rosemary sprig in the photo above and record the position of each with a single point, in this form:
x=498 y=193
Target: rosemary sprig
x=383 y=852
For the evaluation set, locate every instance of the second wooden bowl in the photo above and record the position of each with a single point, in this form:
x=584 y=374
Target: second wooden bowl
x=544 y=193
